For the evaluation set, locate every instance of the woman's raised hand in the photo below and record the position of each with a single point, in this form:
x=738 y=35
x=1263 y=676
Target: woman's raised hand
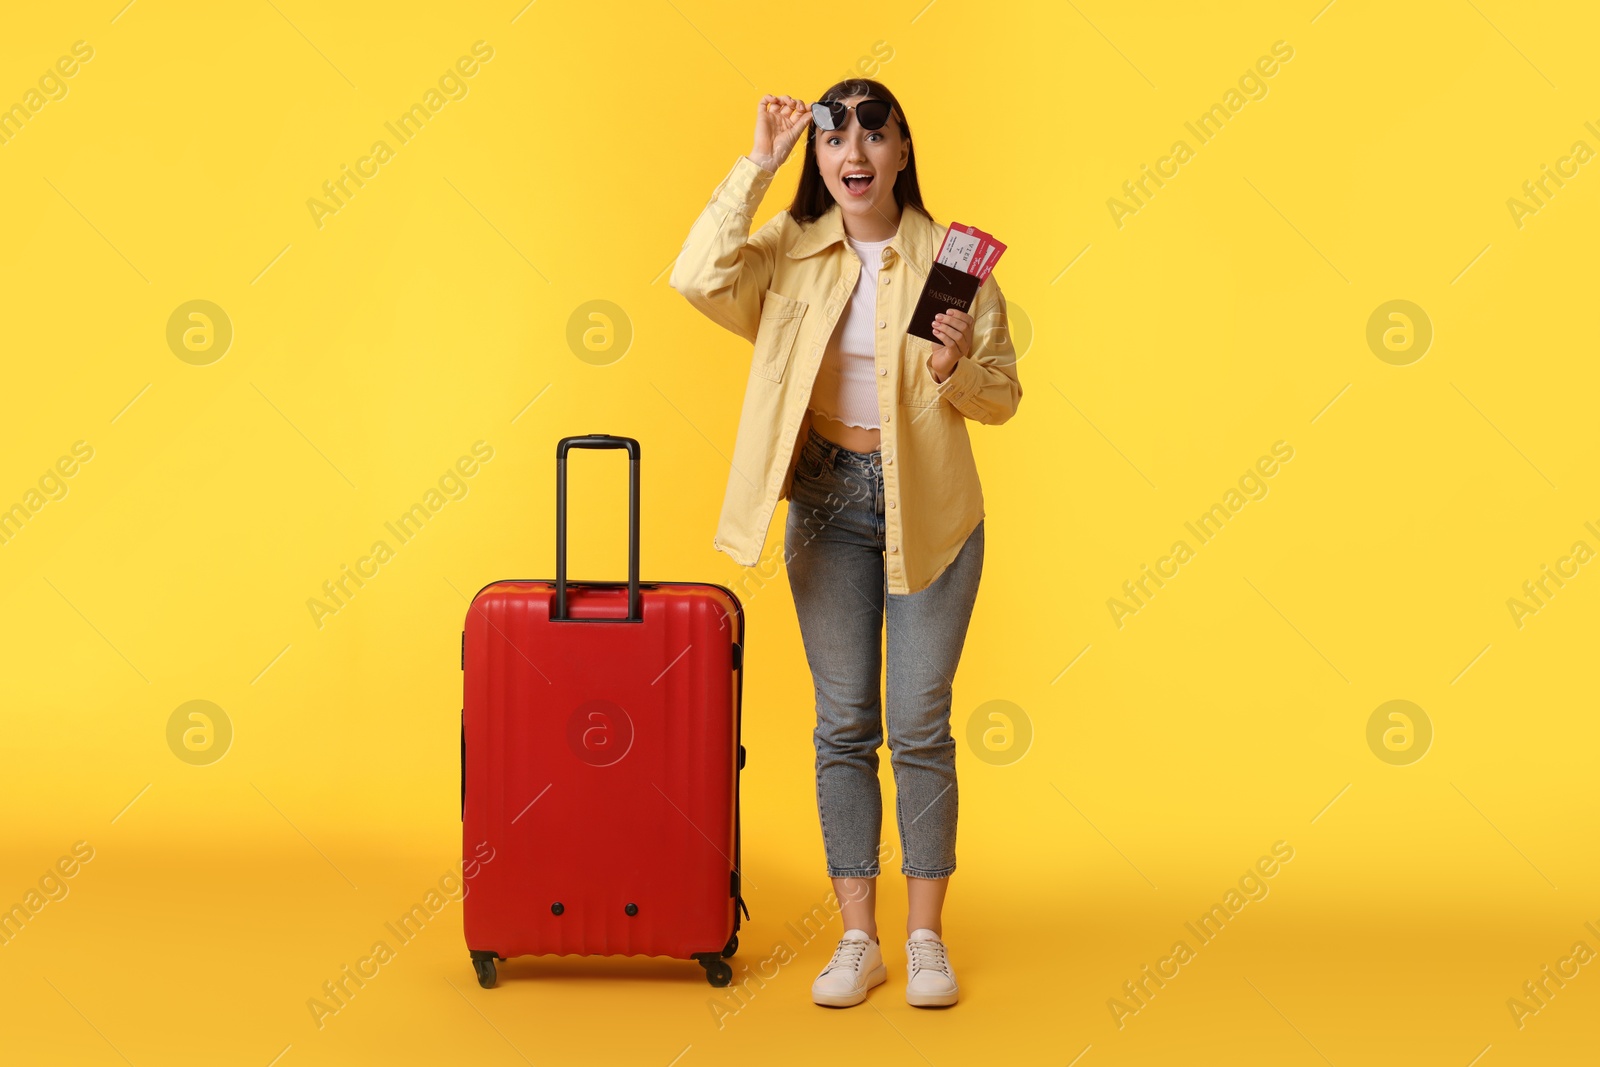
x=780 y=121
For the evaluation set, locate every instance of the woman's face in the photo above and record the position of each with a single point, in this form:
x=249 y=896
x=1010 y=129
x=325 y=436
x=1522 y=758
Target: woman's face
x=878 y=154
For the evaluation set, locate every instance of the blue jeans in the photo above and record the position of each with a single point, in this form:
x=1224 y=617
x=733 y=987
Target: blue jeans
x=834 y=544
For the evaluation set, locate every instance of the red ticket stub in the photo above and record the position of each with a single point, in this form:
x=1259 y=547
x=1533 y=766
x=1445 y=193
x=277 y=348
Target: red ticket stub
x=969 y=249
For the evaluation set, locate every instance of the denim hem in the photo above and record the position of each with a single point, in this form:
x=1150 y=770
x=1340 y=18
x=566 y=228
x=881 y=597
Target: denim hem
x=852 y=872
x=911 y=872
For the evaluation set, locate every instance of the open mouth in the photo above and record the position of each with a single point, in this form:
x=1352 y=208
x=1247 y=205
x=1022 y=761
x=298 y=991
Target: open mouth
x=858 y=182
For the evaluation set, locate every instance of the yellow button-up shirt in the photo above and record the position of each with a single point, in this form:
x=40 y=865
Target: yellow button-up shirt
x=784 y=288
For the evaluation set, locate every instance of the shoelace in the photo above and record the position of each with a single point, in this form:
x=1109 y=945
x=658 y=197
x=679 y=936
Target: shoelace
x=929 y=956
x=848 y=954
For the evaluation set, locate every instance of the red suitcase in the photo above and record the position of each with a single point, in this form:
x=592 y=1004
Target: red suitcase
x=600 y=762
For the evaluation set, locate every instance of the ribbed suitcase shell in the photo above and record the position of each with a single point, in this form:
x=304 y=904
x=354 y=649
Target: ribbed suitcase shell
x=570 y=821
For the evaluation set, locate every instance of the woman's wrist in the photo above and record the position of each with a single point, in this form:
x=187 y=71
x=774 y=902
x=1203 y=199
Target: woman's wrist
x=766 y=163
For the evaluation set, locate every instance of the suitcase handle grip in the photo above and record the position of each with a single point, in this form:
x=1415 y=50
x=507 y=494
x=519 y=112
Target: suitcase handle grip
x=597 y=440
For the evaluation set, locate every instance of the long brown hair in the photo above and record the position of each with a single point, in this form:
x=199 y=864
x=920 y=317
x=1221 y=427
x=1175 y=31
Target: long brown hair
x=812 y=198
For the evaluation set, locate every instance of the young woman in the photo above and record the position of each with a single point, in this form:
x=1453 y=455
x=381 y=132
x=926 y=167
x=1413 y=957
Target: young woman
x=863 y=428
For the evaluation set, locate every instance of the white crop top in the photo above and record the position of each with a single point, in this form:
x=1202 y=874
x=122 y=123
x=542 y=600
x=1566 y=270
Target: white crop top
x=846 y=388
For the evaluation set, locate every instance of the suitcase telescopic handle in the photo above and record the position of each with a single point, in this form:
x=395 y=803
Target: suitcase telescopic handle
x=598 y=440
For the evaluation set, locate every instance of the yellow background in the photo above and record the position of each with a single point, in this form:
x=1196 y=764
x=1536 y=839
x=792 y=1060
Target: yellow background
x=1229 y=313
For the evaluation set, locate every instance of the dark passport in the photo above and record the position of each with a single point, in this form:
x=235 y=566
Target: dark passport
x=947 y=287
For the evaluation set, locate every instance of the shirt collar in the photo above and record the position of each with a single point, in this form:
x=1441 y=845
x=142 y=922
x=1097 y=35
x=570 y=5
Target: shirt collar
x=912 y=241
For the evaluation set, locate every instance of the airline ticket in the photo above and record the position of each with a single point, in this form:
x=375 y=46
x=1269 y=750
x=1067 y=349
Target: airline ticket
x=969 y=249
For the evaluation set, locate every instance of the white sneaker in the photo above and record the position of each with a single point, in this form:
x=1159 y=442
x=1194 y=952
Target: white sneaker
x=930 y=982
x=856 y=967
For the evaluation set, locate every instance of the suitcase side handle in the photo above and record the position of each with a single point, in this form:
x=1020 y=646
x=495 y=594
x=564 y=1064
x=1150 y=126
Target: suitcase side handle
x=598 y=440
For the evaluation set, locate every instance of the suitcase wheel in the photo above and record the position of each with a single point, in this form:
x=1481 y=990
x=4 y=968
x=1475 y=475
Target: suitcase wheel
x=485 y=969
x=718 y=973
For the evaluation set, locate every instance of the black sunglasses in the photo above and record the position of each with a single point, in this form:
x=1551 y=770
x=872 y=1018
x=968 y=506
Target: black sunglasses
x=872 y=113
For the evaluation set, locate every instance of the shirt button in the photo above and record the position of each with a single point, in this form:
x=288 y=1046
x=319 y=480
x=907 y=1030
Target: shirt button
x=891 y=503
x=882 y=325
x=894 y=548
x=883 y=370
x=888 y=281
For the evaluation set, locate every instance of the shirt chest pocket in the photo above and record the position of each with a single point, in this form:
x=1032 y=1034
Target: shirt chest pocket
x=780 y=325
